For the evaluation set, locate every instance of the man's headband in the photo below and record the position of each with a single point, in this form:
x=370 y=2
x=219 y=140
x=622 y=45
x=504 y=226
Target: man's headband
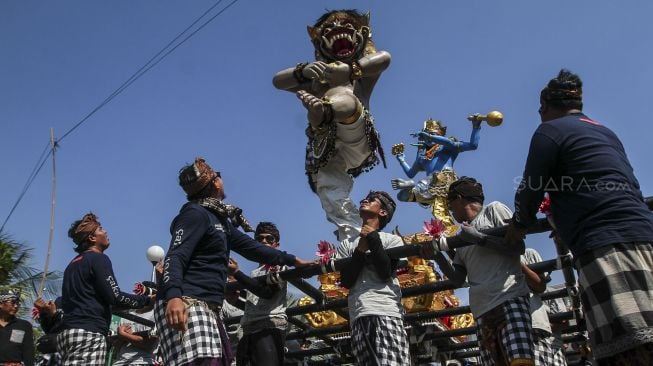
x=85 y=228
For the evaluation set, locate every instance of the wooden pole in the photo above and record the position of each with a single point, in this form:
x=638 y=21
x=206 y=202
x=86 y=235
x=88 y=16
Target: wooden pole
x=53 y=144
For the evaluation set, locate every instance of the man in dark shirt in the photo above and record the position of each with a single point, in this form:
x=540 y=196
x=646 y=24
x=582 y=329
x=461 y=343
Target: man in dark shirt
x=89 y=290
x=600 y=214
x=16 y=343
x=195 y=270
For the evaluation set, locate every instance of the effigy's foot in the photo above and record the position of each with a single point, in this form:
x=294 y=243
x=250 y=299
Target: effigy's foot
x=399 y=183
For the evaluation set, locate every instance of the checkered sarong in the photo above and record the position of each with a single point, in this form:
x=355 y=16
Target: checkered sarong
x=380 y=341
x=81 y=347
x=504 y=333
x=617 y=295
x=546 y=353
x=200 y=341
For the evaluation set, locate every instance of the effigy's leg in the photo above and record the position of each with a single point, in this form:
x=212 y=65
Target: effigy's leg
x=333 y=187
x=440 y=208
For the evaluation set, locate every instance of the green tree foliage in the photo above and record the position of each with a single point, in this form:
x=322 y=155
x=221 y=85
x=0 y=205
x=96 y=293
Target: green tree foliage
x=16 y=273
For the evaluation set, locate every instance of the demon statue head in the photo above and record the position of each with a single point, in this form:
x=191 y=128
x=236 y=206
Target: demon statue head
x=342 y=35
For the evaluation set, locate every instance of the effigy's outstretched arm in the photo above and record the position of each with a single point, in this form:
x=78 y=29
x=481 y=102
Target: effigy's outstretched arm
x=473 y=139
x=410 y=171
x=299 y=77
x=372 y=65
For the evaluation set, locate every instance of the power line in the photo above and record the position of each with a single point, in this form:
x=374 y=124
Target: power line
x=153 y=61
x=37 y=168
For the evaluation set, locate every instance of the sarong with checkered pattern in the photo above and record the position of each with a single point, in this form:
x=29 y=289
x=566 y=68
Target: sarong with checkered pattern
x=81 y=347
x=545 y=351
x=504 y=334
x=201 y=340
x=380 y=341
x=616 y=284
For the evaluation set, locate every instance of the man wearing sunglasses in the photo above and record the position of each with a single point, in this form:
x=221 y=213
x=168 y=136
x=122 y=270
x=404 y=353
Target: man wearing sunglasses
x=378 y=334
x=16 y=344
x=264 y=322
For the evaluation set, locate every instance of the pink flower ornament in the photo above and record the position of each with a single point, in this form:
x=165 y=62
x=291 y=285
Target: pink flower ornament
x=325 y=251
x=435 y=228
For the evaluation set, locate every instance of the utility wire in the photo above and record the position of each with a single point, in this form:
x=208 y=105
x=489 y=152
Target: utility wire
x=35 y=171
x=30 y=180
x=153 y=61
x=140 y=72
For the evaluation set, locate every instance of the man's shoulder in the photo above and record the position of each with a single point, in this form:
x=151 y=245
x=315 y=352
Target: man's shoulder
x=95 y=257
x=192 y=210
x=22 y=324
x=497 y=206
x=531 y=256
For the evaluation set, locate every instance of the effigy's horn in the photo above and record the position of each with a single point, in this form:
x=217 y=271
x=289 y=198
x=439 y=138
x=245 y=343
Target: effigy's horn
x=494 y=118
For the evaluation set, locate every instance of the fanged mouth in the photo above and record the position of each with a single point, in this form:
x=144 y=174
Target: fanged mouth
x=341 y=42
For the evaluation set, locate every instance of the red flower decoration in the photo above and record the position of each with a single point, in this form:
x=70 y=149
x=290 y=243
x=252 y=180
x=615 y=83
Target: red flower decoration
x=435 y=228
x=545 y=206
x=139 y=288
x=325 y=251
x=36 y=314
x=271 y=268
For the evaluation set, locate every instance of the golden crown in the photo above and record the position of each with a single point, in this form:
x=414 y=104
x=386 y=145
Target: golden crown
x=433 y=126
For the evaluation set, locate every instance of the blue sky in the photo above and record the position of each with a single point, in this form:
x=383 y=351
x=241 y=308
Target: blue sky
x=213 y=97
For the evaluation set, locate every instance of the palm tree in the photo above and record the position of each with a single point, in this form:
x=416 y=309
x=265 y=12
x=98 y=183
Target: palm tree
x=16 y=273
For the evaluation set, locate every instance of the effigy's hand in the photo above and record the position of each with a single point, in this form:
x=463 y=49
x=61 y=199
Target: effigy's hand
x=176 y=315
x=337 y=73
x=398 y=149
x=314 y=70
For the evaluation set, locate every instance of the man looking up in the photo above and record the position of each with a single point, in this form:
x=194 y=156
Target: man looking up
x=89 y=291
x=190 y=296
x=375 y=312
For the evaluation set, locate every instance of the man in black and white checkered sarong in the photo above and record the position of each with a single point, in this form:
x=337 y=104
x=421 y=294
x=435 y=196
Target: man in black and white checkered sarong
x=202 y=340
x=81 y=347
x=599 y=213
x=505 y=334
x=378 y=334
x=195 y=270
x=380 y=340
x=89 y=291
x=617 y=296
